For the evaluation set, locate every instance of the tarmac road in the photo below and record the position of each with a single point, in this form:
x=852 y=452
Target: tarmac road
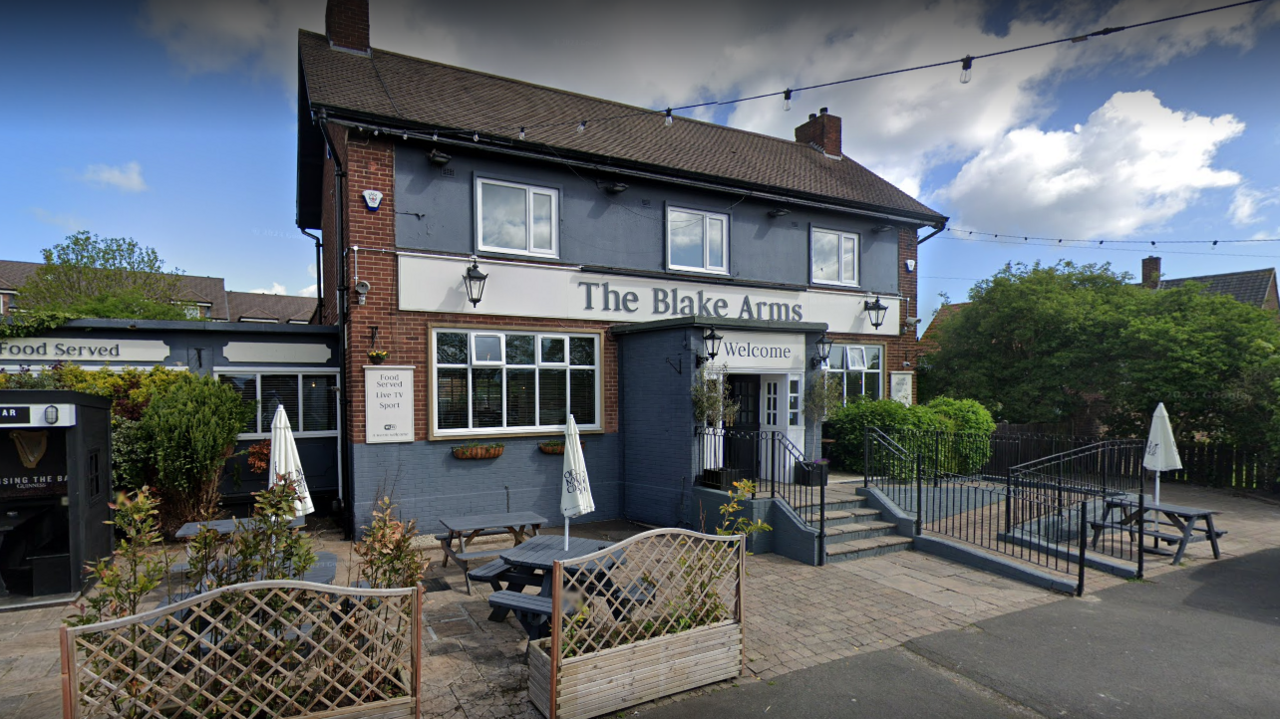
x=1202 y=642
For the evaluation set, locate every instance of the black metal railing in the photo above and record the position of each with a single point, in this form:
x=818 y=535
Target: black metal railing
x=979 y=453
x=1045 y=513
x=768 y=458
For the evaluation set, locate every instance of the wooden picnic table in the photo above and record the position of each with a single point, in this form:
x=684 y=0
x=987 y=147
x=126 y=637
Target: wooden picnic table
x=520 y=525
x=226 y=526
x=1183 y=520
x=530 y=564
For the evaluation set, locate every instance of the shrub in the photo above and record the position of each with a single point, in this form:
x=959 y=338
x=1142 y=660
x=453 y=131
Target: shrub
x=192 y=426
x=964 y=415
x=133 y=570
x=848 y=425
x=387 y=556
x=267 y=549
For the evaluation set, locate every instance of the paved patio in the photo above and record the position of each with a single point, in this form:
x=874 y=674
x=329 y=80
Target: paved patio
x=797 y=616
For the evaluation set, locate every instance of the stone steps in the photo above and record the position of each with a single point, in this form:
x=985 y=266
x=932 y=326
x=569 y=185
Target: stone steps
x=836 y=517
x=862 y=548
x=861 y=530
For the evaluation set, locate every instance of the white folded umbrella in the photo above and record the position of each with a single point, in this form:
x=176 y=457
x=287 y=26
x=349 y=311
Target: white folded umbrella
x=285 y=462
x=575 y=492
x=1162 y=451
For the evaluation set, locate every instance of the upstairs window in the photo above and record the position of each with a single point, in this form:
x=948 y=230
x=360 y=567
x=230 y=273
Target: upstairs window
x=697 y=241
x=835 y=257
x=517 y=219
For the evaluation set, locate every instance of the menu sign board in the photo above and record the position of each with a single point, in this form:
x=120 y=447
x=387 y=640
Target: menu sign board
x=33 y=463
x=388 y=404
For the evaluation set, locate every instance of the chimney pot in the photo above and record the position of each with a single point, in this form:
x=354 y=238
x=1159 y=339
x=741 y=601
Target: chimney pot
x=1151 y=272
x=822 y=131
x=346 y=24
x=823 y=111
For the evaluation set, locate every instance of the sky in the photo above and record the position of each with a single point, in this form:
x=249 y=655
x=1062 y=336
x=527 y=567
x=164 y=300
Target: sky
x=174 y=122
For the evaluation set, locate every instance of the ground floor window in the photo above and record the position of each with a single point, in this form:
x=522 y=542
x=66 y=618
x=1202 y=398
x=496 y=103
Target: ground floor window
x=860 y=368
x=499 y=380
x=309 y=399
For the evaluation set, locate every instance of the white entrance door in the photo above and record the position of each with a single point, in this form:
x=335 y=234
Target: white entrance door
x=778 y=393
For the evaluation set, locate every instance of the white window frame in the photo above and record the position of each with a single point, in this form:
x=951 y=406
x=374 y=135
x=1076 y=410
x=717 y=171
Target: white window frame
x=538 y=364
x=219 y=372
x=844 y=369
x=706 y=247
x=844 y=237
x=529 y=192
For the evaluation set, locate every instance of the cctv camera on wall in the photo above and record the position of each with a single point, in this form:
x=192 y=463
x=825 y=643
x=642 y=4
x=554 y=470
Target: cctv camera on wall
x=362 y=288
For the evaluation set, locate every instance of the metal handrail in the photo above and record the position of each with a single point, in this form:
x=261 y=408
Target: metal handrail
x=1077 y=453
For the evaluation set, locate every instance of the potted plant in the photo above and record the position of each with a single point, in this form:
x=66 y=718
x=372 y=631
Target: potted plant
x=378 y=356
x=713 y=408
x=556 y=446
x=812 y=474
x=476 y=450
x=824 y=395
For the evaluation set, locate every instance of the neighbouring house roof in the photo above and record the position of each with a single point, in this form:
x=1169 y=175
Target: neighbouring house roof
x=412 y=93
x=1250 y=287
x=251 y=306
x=210 y=291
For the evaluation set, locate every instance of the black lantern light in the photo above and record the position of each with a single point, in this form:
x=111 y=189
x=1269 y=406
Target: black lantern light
x=475 y=281
x=824 y=351
x=876 y=312
x=711 y=345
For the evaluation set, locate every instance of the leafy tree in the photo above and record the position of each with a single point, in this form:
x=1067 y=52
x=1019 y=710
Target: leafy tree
x=89 y=276
x=1040 y=344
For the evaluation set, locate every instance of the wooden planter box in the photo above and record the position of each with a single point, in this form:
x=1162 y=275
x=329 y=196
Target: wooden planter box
x=721 y=479
x=812 y=474
x=608 y=681
x=482 y=452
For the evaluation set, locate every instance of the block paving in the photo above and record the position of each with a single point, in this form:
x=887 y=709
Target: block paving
x=797 y=617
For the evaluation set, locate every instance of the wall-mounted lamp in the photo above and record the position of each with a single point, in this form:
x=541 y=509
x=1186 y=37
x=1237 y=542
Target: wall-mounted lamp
x=615 y=188
x=711 y=345
x=779 y=212
x=475 y=281
x=824 y=351
x=50 y=415
x=875 y=310
x=439 y=158
x=883 y=228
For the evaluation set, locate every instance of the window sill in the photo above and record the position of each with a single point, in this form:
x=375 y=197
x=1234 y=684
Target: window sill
x=455 y=435
x=697 y=271
x=836 y=285
x=483 y=251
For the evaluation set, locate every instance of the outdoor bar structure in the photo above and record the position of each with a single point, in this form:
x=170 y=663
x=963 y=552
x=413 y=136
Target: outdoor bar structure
x=486 y=284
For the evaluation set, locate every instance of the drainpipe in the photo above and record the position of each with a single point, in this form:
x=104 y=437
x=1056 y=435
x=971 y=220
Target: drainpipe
x=319 y=274
x=344 y=399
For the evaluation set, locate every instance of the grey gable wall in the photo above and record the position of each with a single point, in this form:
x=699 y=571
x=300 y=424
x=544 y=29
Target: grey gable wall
x=437 y=212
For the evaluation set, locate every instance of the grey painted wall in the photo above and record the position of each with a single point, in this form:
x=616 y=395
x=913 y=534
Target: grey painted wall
x=428 y=483
x=437 y=212
x=656 y=422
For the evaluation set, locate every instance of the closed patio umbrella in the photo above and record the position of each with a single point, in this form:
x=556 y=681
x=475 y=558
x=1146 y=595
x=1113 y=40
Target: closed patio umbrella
x=1162 y=451
x=285 y=462
x=575 y=492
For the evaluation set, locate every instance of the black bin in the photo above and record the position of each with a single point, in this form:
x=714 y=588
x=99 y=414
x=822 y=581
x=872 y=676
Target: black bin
x=55 y=483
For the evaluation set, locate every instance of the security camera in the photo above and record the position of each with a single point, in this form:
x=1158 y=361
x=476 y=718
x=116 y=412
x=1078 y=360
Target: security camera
x=913 y=321
x=362 y=288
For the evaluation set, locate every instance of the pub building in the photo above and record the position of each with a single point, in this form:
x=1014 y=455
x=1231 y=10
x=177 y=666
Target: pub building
x=521 y=253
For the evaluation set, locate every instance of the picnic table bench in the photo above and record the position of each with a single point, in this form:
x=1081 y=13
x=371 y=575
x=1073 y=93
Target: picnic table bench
x=1184 y=521
x=520 y=525
x=530 y=564
x=226 y=526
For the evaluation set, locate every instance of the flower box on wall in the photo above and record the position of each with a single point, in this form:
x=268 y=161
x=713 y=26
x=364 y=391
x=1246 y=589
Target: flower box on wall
x=478 y=451
x=721 y=479
x=556 y=446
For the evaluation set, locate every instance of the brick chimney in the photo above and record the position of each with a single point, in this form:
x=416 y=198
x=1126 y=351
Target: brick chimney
x=1151 y=272
x=821 y=131
x=346 y=24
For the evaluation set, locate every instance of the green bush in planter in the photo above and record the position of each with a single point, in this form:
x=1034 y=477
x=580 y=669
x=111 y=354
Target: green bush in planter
x=848 y=425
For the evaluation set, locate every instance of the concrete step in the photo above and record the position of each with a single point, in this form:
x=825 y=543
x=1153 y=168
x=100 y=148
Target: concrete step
x=836 y=517
x=862 y=530
x=862 y=548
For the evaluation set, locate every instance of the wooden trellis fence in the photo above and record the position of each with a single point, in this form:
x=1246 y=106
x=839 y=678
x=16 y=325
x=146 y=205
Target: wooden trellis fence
x=656 y=614
x=252 y=651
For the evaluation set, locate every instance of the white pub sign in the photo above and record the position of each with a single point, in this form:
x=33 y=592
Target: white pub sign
x=388 y=404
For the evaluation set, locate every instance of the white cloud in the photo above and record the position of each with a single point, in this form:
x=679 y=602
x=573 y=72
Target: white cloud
x=308 y=291
x=275 y=289
x=68 y=222
x=1247 y=202
x=126 y=177
x=1134 y=163
x=900 y=127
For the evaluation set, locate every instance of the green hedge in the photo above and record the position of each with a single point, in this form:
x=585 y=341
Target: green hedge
x=963 y=451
